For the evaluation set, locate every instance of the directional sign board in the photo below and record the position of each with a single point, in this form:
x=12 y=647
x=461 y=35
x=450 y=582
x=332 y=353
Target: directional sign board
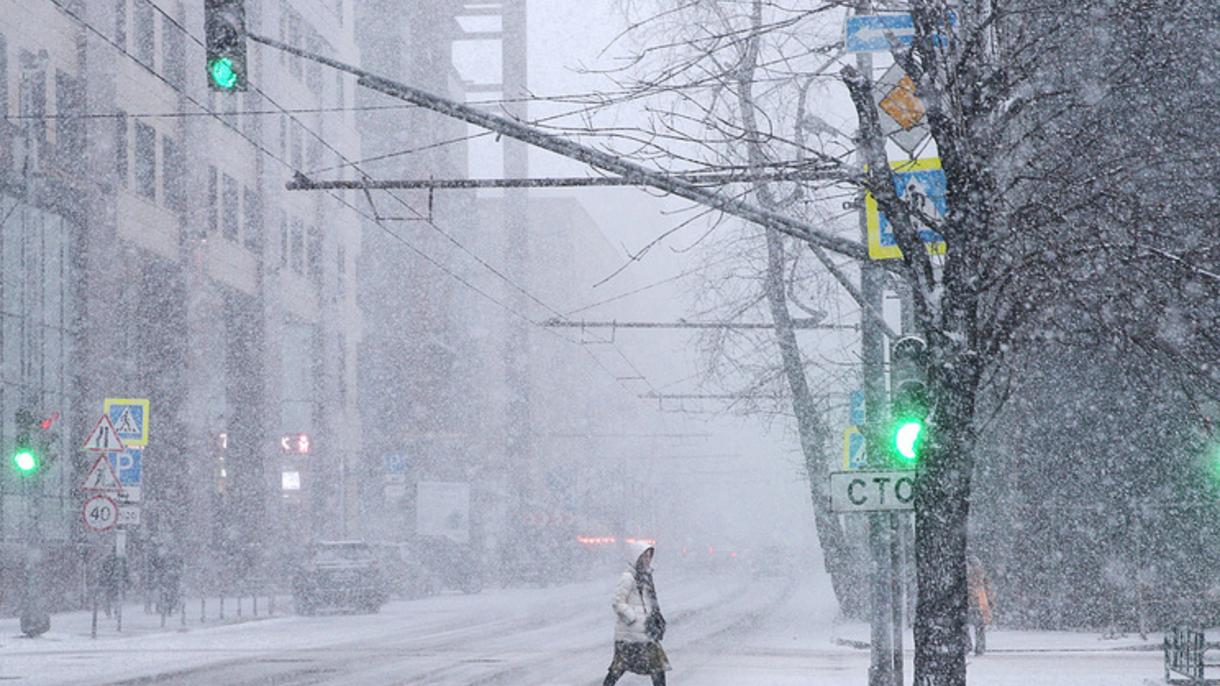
x=855 y=411
x=130 y=418
x=101 y=478
x=871 y=32
x=103 y=438
x=899 y=110
x=920 y=184
x=442 y=508
x=100 y=513
x=872 y=491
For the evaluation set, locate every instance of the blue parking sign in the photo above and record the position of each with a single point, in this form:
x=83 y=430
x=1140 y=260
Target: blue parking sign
x=128 y=465
x=395 y=463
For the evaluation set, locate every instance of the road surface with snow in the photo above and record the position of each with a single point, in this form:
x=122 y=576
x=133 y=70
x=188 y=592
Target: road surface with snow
x=722 y=630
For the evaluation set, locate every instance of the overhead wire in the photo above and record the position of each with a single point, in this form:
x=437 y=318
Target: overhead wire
x=264 y=150
x=483 y=263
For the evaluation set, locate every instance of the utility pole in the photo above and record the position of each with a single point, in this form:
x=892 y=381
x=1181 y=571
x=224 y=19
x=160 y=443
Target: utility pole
x=514 y=43
x=883 y=654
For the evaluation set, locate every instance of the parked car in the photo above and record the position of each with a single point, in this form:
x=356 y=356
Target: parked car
x=339 y=574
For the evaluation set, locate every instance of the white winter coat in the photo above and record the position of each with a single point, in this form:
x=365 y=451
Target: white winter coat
x=631 y=608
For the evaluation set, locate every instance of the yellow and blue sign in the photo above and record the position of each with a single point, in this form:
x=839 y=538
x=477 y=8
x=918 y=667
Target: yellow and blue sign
x=130 y=419
x=853 y=448
x=920 y=183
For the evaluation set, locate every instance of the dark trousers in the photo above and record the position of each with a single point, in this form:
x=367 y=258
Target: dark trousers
x=612 y=677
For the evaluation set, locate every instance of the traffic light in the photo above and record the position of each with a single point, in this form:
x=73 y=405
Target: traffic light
x=25 y=454
x=909 y=397
x=225 y=26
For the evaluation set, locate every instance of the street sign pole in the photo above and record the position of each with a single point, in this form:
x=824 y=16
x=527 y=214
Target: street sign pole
x=882 y=655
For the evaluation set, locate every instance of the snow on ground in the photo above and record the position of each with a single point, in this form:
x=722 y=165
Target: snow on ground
x=723 y=631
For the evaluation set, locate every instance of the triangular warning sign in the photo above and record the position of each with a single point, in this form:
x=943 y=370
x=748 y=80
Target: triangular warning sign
x=104 y=438
x=101 y=477
x=127 y=423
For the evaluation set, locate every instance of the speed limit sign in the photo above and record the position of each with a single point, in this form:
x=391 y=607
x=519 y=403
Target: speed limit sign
x=101 y=513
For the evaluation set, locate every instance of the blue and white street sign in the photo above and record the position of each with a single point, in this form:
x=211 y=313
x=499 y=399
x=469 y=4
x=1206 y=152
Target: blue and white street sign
x=856 y=408
x=853 y=448
x=922 y=185
x=867 y=32
x=395 y=463
x=130 y=419
x=128 y=466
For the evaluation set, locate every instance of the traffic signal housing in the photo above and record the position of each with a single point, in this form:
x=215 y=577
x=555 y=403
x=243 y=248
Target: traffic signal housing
x=225 y=29
x=26 y=456
x=908 y=398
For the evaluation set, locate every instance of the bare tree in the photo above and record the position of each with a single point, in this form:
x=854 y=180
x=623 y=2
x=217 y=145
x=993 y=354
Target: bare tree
x=997 y=85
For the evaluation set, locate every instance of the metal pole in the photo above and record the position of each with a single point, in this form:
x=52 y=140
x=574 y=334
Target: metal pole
x=593 y=157
x=872 y=352
x=896 y=599
x=582 y=324
x=872 y=342
x=300 y=182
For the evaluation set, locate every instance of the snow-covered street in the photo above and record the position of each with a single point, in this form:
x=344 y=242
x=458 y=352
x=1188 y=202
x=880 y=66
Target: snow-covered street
x=723 y=630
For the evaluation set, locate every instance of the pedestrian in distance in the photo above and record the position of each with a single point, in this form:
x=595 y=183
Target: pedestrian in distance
x=978 y=611
x=113 y=578
x=639 y=624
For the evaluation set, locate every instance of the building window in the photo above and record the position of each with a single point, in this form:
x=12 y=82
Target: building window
x=173 y=53
x=33 y=94
x=145 y=30
x=120 y=24
x=298 y=247
x=229 y=208
x=294 y=138
x=315 y=253
x=213 y=197
x=3 y=76
x=173 y=175
x=340 y=269
x=120 y=147
x=283 y=241
x=341 y=354
x=69 y=102
x=146 y=160
x=254 y=221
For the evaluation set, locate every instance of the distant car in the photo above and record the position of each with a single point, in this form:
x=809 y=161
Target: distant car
x=339 y=574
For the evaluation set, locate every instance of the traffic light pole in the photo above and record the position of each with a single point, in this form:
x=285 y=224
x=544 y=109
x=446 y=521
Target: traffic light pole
x=872 y=342
x=885 y=664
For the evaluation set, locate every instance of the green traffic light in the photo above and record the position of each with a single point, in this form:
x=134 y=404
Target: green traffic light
x=25 y=461
x=906 y=440
x=222 y=72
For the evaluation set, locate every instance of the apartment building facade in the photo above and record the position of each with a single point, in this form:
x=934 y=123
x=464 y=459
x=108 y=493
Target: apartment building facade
x=152 y=251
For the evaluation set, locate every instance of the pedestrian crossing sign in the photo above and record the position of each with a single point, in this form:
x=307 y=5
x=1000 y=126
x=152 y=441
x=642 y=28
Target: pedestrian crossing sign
x=130 y=419
x=920 y=184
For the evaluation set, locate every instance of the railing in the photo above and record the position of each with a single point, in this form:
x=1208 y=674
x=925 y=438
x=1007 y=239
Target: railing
x=1185 y=657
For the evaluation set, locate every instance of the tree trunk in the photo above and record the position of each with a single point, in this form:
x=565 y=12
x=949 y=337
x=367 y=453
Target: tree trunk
x=811 y=428
x=942 y=495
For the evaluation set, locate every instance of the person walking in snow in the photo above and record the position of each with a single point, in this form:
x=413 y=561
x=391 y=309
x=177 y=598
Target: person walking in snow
x=978 y=612
x=639 y=626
